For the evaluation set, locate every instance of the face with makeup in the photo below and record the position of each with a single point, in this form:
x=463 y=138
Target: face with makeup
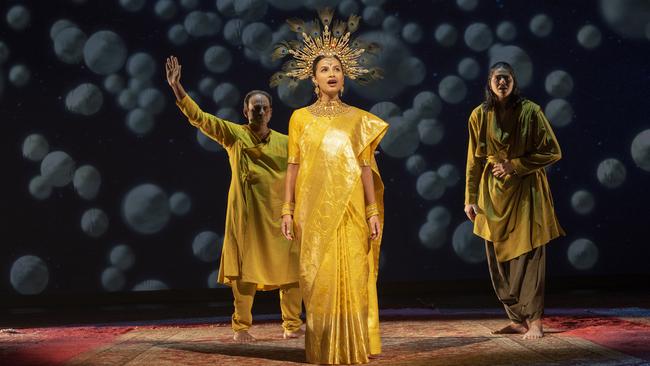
x=501 y=83
x=258 y=109
x=328 y=76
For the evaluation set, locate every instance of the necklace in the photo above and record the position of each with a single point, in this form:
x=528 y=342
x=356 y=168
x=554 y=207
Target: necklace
x=328 y=109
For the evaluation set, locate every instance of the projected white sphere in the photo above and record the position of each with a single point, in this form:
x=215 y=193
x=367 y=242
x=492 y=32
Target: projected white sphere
x=104 y=52
x=35 y=147
x=145 y=209
x=94 y=222
x=122 y=257
x=29 y=275
x=611 y=173
x=58 y=168
x=583 y=254
x=207 y=246
x=86 y=181
x=469 y=247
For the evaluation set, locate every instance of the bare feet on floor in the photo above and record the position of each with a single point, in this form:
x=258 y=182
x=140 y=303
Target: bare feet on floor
x=512 y=328
x=291 y=335
x=535 y=330
x=243 y=337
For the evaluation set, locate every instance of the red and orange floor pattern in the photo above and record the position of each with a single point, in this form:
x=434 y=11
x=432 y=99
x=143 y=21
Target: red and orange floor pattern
x=410 y=337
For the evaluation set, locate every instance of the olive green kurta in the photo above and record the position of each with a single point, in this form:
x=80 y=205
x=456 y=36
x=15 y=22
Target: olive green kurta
x=516 y=212
x=254 y=249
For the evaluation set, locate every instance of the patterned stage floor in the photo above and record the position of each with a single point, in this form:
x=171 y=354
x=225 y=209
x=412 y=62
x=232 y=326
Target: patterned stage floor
x=412 y=337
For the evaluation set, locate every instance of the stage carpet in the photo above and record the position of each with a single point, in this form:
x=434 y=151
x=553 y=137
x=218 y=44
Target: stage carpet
x=410 y=337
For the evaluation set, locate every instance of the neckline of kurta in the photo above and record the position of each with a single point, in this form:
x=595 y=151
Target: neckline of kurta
x=256 y=139
x=502 y=132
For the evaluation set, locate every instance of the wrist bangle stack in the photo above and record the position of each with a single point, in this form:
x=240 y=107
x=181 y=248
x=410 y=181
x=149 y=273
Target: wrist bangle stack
x=287 y=208
x=372 y=210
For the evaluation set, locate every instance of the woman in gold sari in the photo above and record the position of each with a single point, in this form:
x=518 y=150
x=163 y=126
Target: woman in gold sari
x=334 y=211
x=334 y=183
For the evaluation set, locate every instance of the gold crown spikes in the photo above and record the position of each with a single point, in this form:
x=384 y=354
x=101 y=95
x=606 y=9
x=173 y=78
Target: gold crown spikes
x=325 y=46
x=316 y=42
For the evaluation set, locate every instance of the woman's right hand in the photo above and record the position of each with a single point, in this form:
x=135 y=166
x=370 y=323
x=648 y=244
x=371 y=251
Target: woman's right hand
x=287 y=226
x=471 y=210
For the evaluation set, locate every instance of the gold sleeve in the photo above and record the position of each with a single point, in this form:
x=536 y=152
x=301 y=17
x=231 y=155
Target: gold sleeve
x=295 y=132
x=474 y=164
x=220 y=130
x=546 y=149
x=365 y=158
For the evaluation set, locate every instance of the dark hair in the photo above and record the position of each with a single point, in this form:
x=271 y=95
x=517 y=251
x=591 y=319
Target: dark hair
x=513 y=99
x=250 y=94
x=313 y=66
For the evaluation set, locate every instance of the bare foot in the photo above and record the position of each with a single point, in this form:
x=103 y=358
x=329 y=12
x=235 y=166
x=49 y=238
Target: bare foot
x=243 y=337
x=291 y=335
x=535 y=330
x=512 y=328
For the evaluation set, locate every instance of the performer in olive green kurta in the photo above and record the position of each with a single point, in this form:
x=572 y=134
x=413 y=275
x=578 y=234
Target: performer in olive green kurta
x=508 y=197
x=255 y=254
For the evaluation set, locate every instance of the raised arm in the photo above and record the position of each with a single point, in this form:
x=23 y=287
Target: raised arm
x=173 y=73
x=220 y=130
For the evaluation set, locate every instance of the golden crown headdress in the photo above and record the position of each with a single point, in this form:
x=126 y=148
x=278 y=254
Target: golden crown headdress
x=316 y=42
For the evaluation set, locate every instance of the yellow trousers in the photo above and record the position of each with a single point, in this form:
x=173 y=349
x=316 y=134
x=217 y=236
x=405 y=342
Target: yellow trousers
x=290 y=305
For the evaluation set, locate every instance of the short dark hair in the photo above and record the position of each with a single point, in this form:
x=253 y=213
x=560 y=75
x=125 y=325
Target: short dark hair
x=490 y=99
x=251 y=93
x=317 y=59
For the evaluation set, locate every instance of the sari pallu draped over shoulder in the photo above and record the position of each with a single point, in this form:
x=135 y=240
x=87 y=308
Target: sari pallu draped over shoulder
x=331 y=226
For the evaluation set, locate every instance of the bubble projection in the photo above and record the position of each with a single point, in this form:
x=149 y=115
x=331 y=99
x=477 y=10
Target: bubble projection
x=116 y=97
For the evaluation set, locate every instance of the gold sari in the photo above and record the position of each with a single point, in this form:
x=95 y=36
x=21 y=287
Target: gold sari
x=338 y=261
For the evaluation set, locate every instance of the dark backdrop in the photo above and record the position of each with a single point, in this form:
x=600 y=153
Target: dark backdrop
x=160 y=195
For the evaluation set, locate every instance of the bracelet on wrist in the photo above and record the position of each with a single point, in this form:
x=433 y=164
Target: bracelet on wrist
x=372 y=210
x=287 y=208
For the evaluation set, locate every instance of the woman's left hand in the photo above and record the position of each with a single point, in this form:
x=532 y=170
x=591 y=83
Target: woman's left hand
x=503 y=169
x=373 y=225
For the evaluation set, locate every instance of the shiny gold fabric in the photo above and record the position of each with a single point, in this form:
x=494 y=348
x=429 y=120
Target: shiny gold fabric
x=338 y=262
x=516 y=213
x=254 y=249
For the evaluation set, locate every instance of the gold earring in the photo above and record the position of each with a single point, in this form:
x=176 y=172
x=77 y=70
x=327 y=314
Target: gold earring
x=341 y=92
x=317 y=90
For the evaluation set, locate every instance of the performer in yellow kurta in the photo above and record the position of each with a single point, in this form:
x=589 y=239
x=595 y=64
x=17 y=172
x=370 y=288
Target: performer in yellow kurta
x=334 y=203
x=508 y=197
x=255 y=255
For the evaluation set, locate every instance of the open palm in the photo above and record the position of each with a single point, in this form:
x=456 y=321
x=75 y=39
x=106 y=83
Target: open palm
x=173 y=70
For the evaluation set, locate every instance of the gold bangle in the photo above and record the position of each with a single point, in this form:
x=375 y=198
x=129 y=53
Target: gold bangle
x=287 y=208
x=372 y=210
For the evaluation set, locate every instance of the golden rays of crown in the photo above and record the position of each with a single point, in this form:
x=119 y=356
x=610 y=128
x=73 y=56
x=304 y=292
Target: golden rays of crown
x=317 y=41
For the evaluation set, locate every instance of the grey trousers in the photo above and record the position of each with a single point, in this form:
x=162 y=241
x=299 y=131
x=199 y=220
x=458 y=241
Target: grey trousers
x=519 y=283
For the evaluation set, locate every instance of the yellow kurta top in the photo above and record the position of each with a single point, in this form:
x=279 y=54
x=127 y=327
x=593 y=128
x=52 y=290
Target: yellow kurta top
x=338 y=261
x=254 y=249
x=516 y=213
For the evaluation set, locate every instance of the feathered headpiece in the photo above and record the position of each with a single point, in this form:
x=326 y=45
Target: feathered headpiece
x=315 y=43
